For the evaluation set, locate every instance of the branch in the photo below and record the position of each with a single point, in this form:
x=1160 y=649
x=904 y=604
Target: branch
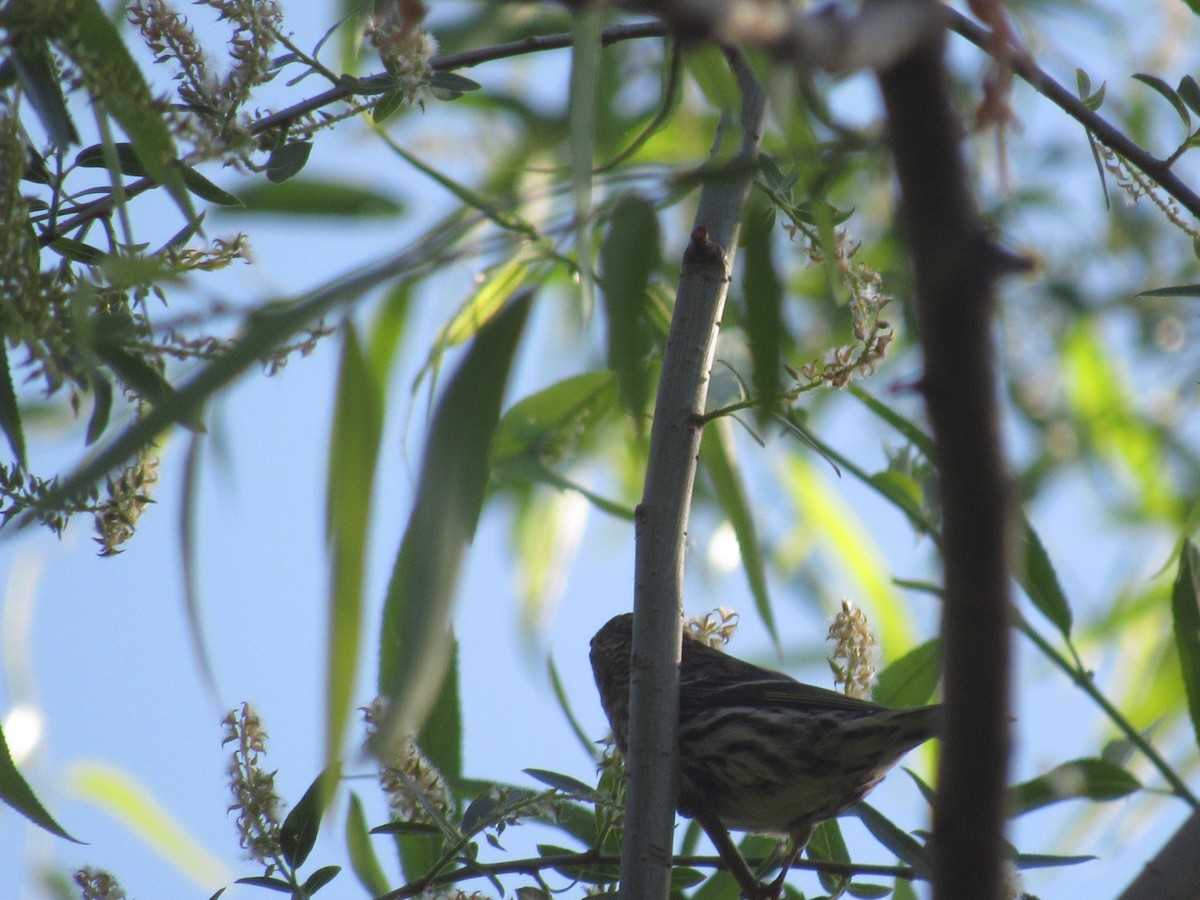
x=1158 y=170
x=285 y=117
x=1174 y=874
x=662 y=516
x=569 y=861
x=955 y=266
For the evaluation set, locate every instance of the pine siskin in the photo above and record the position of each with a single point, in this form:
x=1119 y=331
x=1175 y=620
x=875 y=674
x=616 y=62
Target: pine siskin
x=758 y=750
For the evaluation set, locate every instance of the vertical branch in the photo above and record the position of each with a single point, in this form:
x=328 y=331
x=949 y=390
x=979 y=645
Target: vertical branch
x=955 y=266
x=663 y=513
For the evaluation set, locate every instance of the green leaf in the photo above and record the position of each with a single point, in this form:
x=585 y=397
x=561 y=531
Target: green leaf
x=907 y=848
x=10 y=411
x=441 y=737
x=717 y=455
x=1189 y=92
x=355 y=438
x=564 y=704
x=1178 y=290
x=473 y=199
x=452 y=81
x=415 y=643
x=1088 y=778
x=828 y=845
x=1047 y=860
x=206 y=190
x=43 y=88
x=440 y=740
x=127 y=801
x=905 y=492
x=629 y=257
x=127 y=159
x=1185 y=612
x=550 y=424
x=584 y=90
x=102 y=397
x=142 y=378
x=1167 y=92
x=911 y=432
x=1092 y=101
x=263 y=881
x=262 y=333
x=1035 y=573
x=684 y=877
x=310 y=197
x=710 y=70
x=868 y=891
x=87 y=35
x=78 y=251
x=560 y=782
x=479 y=814
x=763 y=291
x=492 y=295
x=911 y=679
x=320 y=878
x=413 y=828
x=286 y=162
x=387 y=106
x=299 y=831
x=16 y=792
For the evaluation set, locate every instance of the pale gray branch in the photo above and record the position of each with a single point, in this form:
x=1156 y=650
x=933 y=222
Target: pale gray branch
x=662 y=515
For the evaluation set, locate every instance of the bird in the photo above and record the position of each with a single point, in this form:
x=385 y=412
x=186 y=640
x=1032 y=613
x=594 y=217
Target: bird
x=760 y=751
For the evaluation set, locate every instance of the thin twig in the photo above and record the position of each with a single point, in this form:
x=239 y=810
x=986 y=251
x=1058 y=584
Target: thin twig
x=591 y=860
x=285 y=117
x=1159 y=170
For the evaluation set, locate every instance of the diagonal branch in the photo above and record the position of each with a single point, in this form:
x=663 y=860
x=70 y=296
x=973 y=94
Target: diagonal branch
x=1158 y=170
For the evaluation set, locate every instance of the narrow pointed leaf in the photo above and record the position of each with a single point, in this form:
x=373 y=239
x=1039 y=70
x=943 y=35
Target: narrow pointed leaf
x=1089 y=778
x=628 y=258
x=16 y=792
x=584 y=91
x=1185 y=611
x=43 y=88
x=299 y=831
x=86 y=33
x=1168 y=93
x=10 y=412
x=313 y=197
x=716 y=453
x=363 y=861
x=1038 y=579
x=415 y=641
x=560 y=782
x=906 y=847
x=353 y=452
x=763 y=291
x=911 y=679
x=320 y=878
x=124 y=798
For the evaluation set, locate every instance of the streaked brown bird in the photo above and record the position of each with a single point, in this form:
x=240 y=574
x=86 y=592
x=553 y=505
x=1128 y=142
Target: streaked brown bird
x=758 y=750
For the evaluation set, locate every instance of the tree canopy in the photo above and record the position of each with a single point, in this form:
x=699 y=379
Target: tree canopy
x=890 y=303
